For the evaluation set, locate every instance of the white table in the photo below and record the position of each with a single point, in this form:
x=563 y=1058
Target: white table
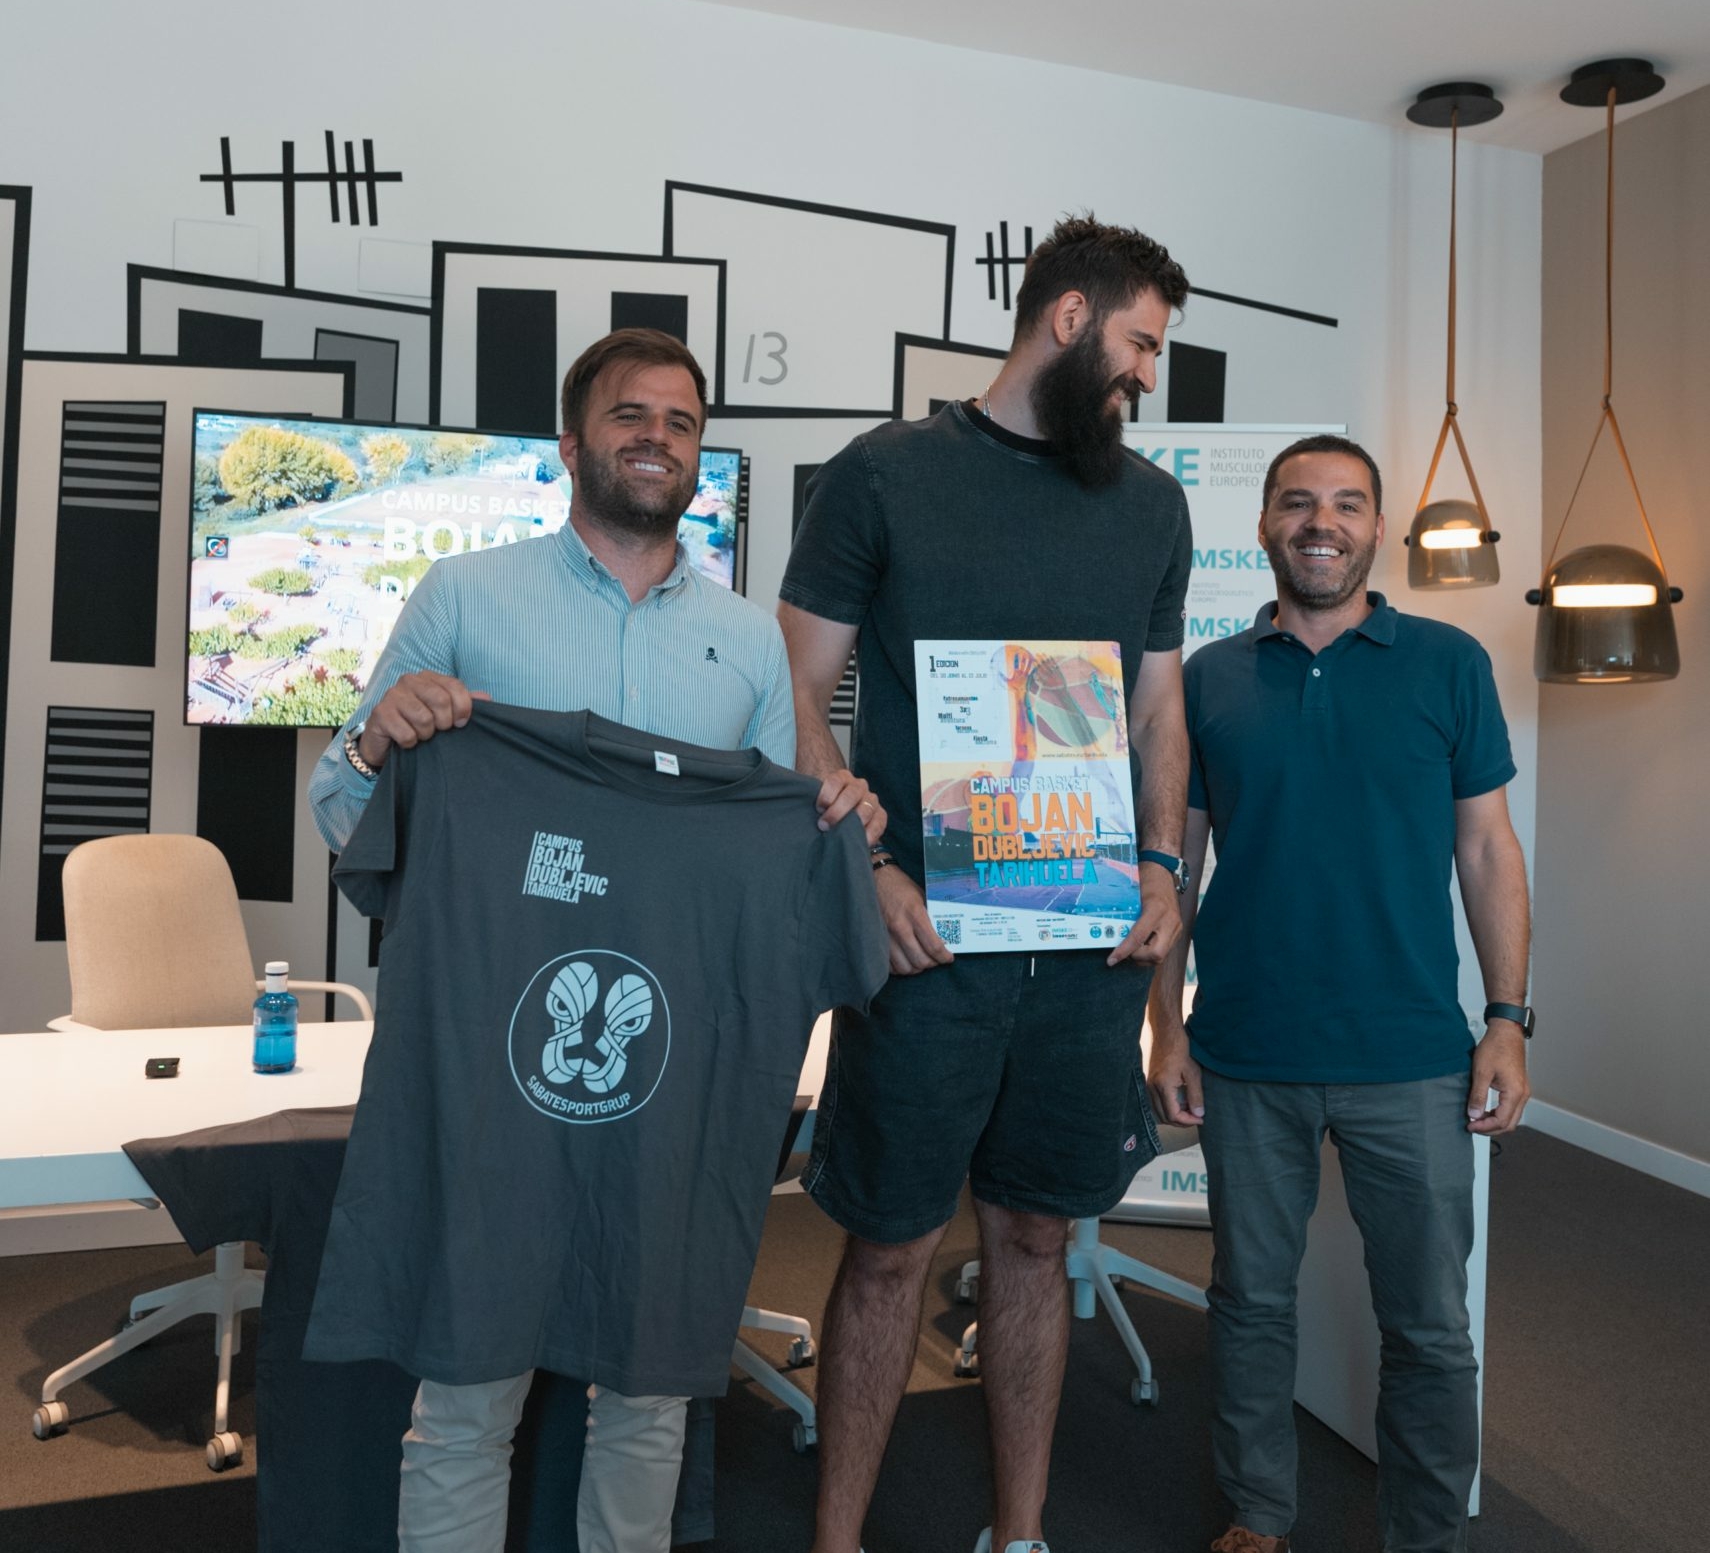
x=70 y=1098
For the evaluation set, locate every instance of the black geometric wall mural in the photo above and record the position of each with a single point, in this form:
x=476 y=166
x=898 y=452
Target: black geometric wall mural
x=218 y=339
x=804 y=474
x=998 y=263
x=508 y=322
x=95 y=782
x=289 y=175
x=929 y=373
x=1196 y=383
x=842 y=713
x=516 y=360
x=241 y=803
x=651 y=310
x=106 y=567
x=376 y=361
x=246 y=804
x=814 y=295
x=14 y=271
x=210 y=320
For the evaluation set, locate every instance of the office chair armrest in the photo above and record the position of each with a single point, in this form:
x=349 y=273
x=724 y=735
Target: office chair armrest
x=355 y=994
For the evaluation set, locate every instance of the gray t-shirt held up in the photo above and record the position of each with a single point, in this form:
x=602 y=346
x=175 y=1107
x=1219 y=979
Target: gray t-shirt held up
x=603 y=955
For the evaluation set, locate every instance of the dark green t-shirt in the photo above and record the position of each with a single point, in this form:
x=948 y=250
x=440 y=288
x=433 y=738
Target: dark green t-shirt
x=1325 y=946
x=953 y=528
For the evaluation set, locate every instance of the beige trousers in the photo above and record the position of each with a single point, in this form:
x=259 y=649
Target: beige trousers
x=457 y=1469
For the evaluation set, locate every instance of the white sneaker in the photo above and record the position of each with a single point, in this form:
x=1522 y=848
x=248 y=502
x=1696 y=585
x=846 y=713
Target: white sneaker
x=984 y=1545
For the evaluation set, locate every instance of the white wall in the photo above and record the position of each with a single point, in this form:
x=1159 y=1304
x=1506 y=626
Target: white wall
x=558 y=125
x=1624 y=829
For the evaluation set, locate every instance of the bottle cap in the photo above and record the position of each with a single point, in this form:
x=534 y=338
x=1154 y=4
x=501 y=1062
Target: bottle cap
x=278 y=967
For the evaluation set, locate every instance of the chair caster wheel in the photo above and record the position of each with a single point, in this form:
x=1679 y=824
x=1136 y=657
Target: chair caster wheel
x=1140 y=1391
x=50 y=1418
x=224 y=1450
x=966 y=1364
x=967 y=1291
x=803 y=1437
x=802 y=1354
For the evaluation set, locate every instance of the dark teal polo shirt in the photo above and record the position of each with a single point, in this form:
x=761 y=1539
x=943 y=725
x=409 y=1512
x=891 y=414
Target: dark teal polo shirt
x=1325 y=945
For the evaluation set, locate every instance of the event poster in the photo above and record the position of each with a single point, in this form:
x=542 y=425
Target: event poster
x=1027 y=795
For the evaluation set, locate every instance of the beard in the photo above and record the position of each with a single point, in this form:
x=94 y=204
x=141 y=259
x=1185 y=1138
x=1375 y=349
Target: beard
x=618 y=501
x=1320 y=590
x=1072 y=403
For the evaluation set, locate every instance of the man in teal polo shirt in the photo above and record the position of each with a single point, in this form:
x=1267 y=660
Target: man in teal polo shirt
x=1344 y=757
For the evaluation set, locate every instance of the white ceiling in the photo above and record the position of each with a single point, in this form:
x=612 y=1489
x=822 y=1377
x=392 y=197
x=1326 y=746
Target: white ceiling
x=1362 y=59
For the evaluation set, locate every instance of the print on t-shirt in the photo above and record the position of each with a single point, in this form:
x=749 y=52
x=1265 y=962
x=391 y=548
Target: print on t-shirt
x=555 y=869
x=590 y=1036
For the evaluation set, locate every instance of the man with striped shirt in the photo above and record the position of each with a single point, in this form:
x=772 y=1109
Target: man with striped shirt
x=607 y=615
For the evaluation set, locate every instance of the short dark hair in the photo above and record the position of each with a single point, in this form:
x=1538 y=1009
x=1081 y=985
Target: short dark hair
x=1109 y=265
x=1325 y=442
x=642 y=347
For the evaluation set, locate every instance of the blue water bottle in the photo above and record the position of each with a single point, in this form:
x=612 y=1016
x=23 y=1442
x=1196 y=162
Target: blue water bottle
x=276 y=1023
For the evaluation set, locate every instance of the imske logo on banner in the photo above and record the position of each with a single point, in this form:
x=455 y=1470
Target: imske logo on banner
x=590 y=1037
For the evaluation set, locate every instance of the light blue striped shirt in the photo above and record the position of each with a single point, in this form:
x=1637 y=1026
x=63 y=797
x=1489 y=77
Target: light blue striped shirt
x=541 y=623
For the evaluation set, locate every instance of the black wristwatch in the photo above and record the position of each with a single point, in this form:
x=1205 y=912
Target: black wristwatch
x=1175 y=866
x=1519 y=1015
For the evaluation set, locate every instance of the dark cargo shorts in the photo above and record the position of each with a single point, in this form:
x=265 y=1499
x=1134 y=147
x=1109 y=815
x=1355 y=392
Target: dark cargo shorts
x=1019 y=1073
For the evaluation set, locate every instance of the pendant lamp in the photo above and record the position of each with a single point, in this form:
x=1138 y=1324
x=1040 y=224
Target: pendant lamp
x=1451 y=543
x=1606 y=612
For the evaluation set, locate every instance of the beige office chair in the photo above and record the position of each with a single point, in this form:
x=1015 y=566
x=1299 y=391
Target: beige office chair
x=155 y=940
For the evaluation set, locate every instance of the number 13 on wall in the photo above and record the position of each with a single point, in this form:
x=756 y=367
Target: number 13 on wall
x=776 y=355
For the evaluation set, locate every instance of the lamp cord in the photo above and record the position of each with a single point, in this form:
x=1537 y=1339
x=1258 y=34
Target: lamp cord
x=1451 y=412
x=1608 y=416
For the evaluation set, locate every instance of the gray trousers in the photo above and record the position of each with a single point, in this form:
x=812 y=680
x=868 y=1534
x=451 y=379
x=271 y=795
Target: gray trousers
x=1407 y=1162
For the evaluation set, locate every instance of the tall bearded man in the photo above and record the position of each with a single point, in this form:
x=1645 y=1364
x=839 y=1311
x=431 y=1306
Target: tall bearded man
x=1018 y=516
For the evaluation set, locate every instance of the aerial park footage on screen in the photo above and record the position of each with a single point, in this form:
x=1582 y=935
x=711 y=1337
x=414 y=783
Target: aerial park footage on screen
x=307 y=536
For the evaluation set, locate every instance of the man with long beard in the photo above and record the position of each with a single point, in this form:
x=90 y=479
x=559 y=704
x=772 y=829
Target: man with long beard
x=606 y=615
x=1018 y=515
x=1344 y=755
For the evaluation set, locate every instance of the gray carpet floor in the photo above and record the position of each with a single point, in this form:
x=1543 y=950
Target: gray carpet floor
x=1597 y=1410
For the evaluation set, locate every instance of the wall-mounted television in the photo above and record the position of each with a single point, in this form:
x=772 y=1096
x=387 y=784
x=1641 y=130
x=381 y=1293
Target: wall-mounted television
x=306 y=537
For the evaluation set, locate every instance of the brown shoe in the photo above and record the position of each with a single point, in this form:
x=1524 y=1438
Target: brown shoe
x=1239 y=1540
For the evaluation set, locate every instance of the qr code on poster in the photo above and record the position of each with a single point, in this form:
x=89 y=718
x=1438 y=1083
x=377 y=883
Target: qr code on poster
x=949 y=929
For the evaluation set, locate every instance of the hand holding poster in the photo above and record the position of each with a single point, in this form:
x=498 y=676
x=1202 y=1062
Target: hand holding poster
x=1027 y=794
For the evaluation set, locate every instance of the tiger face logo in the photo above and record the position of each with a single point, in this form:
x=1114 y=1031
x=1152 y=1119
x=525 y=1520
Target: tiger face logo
x=590 y=1036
